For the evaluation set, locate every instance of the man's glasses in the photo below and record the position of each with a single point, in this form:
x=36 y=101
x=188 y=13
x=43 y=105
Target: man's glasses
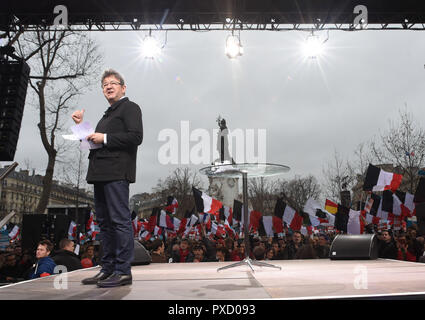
x=113 y=83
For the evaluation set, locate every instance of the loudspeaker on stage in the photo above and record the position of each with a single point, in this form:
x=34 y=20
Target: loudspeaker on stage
x=353 y=247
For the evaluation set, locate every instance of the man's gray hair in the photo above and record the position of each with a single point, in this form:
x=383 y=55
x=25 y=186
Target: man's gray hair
x=112 y=73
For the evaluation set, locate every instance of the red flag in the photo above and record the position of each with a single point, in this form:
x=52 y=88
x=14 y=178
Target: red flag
x=254 y=220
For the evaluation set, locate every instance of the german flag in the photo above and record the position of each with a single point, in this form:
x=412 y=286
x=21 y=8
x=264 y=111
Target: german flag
x=331 y=207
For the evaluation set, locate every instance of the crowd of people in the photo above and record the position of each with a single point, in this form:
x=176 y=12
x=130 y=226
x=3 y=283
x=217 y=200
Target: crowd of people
x=400 y=245
x=17 y=264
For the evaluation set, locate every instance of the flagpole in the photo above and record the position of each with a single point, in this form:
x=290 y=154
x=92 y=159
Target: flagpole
x=245 y=213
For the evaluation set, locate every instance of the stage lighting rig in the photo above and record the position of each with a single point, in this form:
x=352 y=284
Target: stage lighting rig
x=314 y=46
x=233 y=47
x=151 y=47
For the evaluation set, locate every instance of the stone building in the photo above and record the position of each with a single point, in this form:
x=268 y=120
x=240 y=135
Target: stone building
x=21 y=191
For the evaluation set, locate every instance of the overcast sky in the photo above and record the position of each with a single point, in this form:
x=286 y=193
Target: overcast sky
x=309 y=108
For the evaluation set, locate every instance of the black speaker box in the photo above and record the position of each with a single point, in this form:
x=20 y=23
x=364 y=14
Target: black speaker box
x=420 y=210
x=354 y=247
x=141 y=255
x=32 y=230
x=61 y=225
x=14 y=77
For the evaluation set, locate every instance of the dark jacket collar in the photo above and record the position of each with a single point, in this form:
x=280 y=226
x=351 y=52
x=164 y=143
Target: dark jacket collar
x=115 y=105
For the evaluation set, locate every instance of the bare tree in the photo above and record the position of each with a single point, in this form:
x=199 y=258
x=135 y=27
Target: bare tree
x=179 y=184
x=263 y=194
x=63 y=65
x=403 y=145
x=298 y=190
x=337 y=176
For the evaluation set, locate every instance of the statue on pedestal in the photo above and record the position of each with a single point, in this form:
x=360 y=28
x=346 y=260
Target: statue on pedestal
x=223 y=189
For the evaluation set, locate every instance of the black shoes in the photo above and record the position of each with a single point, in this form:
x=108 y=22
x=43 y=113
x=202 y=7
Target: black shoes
x=98 y=277
x=115 y=280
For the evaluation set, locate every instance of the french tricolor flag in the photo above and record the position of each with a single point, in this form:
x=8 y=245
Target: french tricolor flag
x=205 y=203
x=292 y=218
x=172 y=205
x=380 y=180
x=408 y=205
x=14 y=233
x=218 y=229
x=165 y=220
x=90 y=222
x=72 y=230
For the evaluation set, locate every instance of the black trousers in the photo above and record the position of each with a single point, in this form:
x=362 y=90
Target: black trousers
x=111 y=201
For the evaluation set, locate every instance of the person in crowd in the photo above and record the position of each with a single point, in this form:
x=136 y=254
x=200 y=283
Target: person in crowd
x=199 y=254
x=86 y=263
x=65 y=256
x=183 y=254
x=221 y=254
x=228 y=244
x=417 y=243
x=277 y=251
x=18 y=252
x=306 y=251
x=322 y=247
x=239 y=252
x=45 y=265
x=158 y=251
x=259 y=252
x=269 y=254
x=11 y=271
x=405 y=249
x=386 y=246
x=89 y=253
x=293 y=246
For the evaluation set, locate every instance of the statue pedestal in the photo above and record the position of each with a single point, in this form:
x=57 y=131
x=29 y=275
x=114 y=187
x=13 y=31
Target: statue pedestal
x=223 y=189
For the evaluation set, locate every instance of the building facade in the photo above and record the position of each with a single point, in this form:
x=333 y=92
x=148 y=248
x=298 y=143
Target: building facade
x=21 y=192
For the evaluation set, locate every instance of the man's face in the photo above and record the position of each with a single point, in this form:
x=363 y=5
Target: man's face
x=42 y=251
x=242 y=247
x=296 y=238
x=198 y=252
x=10 y=260
x=112 y=89
x=162 y=248
x=220 y=256
x=183 y=245
x=322 y=241
x=386 y=236
x=270 y=254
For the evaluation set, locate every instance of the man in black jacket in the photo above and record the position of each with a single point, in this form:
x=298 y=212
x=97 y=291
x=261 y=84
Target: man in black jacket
x=387 y=246
x=111 y=169
x=66 y=256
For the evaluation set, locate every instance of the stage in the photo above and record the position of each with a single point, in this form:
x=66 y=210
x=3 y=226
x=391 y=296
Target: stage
x=298 y=279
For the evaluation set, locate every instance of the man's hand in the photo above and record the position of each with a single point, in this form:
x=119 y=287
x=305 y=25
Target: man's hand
x=95 y=137
x=77 y=116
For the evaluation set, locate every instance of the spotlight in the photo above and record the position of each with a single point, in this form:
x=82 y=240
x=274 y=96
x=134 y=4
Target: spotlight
x=233 y=47
x=151 y=48
x=314 y=46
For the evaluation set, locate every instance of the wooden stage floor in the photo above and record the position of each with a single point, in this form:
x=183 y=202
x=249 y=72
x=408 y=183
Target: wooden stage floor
x=298 y=279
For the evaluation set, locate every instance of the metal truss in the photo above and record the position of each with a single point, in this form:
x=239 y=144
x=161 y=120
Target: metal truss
x=201 y=21
x=134 y=26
